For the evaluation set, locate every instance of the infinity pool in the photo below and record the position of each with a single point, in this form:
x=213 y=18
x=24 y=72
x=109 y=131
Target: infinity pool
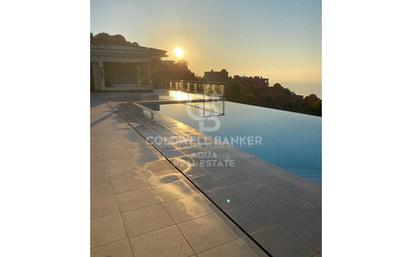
x=290 y=140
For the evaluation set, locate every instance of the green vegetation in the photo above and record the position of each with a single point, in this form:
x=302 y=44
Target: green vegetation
x=276 y=97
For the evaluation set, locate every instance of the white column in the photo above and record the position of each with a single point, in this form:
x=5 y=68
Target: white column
x=138 y=74
x=96 y=75
x=149 y=75
x=101 y=74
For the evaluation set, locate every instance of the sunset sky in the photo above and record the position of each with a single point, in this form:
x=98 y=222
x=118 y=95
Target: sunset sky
x=277 y=39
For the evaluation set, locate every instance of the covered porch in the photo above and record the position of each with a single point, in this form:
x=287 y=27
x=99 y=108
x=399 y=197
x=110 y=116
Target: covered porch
x=121 y=76
x=118 y=65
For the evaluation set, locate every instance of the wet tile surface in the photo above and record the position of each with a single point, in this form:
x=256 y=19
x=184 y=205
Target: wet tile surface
x=237 y=248
x=278 y=208
x=128 y=184
x=206 y=232
x=226 y=197
x=285 y=181
x=207 y=183
x=253 y=189
x=242 y=214
x=123 y=172
x=175 y=190
x=188 y=208
x=280 y=242
x=306 y=194
x=308 y=227
x=160 y=179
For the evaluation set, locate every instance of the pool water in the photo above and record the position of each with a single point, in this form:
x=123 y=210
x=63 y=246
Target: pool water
x=292 y=141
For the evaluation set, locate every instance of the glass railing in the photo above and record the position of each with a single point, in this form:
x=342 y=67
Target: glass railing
x=207 y=89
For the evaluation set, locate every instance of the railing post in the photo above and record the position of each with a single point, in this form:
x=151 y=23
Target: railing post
x=223 y=106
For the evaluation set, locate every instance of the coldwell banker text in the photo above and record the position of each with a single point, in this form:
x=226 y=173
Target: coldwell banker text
x=239 y=141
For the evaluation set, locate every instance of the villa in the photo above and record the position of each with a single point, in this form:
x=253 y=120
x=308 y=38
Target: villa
x=118 y=65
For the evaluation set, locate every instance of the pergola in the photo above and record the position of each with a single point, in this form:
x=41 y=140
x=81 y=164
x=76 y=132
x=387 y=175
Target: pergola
x=122 y=67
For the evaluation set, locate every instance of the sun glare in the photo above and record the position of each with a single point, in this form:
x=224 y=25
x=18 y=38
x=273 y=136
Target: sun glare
x=179 y=52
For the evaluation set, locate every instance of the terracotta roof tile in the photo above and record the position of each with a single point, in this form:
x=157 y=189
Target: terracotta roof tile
x=116 y=46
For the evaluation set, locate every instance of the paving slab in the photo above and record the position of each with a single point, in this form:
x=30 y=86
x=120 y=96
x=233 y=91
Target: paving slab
x=146 y=219
x=188 y=208
x=280 y=242
x=166 y=242
x=236 y=248
x=308 y=227
x=242 y=214
x=101 y=190
x=136 y=199
x=206 y=232
x=103 y=206
x=128 y=184
x=175 y=190
x=106 y=230
x=117 y=249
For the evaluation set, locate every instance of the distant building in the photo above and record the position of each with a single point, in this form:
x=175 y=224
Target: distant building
x=255 y=82
x=216 y=76
x=119 y=65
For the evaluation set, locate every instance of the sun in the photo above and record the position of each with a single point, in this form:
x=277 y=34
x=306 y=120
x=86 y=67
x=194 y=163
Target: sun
x=179 y=52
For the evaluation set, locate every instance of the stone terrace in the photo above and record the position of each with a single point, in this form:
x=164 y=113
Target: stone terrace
x=141 y=205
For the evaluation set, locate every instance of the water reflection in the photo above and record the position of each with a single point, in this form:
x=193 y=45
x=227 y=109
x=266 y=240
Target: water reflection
x=290 y=140
x=178 y=95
